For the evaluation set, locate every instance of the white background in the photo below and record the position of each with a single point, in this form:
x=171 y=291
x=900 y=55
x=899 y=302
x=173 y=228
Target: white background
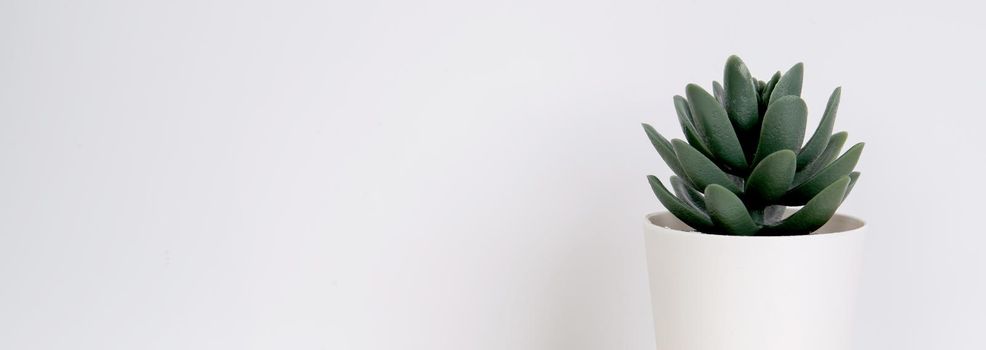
x=442 y=175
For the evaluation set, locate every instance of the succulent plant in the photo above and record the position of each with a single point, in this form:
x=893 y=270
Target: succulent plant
x=744 y=160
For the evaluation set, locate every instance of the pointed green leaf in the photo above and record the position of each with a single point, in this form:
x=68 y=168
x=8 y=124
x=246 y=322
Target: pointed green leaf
x=767 y=90
x=686 y=213
x=714 y=124
x=717 y=92
x=783 y=127
x=688 y=126
x=789 y=84
x=815 y=213
x=664 y=148
x=816 y=144
x=740 y=95
x=728 y=212
x=839 y=168
x=853 y=177
x=772 y=177
x=687 y=194
x=831 y=151
x=700 y=170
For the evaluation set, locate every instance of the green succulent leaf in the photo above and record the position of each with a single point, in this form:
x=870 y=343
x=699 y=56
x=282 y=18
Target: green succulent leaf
x=700 y=170
x=815 y=213
x=839 y=168
x=816 y=144
x=769 y=88
x=687 y=194
x=853 y=177
x=665 y=149
x=789 y=84
x=688 y=214
x=688 y=126
x=740 y=100
x=717 y=92
x=783 y=127
x=728 y=212
x=772 y=177
x=831 y=152
x=714 y=124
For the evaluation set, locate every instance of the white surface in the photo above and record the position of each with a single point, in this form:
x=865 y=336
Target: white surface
x=712 y=292
x=441 y=175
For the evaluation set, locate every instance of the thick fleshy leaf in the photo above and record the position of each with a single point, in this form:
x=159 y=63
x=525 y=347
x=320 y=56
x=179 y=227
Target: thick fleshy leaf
x=789 y=84
x=683 y=211
x=816 y=144
x=772 y=177
x=714 y=124
x=664 y=148
x=740 y=95
x=700 y=170
x=831 y=152
x=728 y=212
x=815 y=213
x=839 y=168
x=783 y=127
x=692 y=134
x=769 y=88
x=853 y=177
x=687 y=194
x=718 y=93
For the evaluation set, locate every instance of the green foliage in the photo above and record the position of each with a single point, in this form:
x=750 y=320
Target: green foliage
x=744 y=158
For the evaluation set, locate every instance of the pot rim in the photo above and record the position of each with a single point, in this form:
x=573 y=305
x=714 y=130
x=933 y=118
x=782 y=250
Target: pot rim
x=855 y=224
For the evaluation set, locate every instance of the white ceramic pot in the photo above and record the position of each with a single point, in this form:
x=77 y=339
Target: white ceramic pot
x=713 y=292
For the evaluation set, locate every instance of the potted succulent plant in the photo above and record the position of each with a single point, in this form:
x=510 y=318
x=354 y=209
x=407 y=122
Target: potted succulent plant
x=733 y=266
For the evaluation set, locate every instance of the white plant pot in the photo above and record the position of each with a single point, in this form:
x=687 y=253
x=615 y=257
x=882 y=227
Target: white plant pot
x=714 y=292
